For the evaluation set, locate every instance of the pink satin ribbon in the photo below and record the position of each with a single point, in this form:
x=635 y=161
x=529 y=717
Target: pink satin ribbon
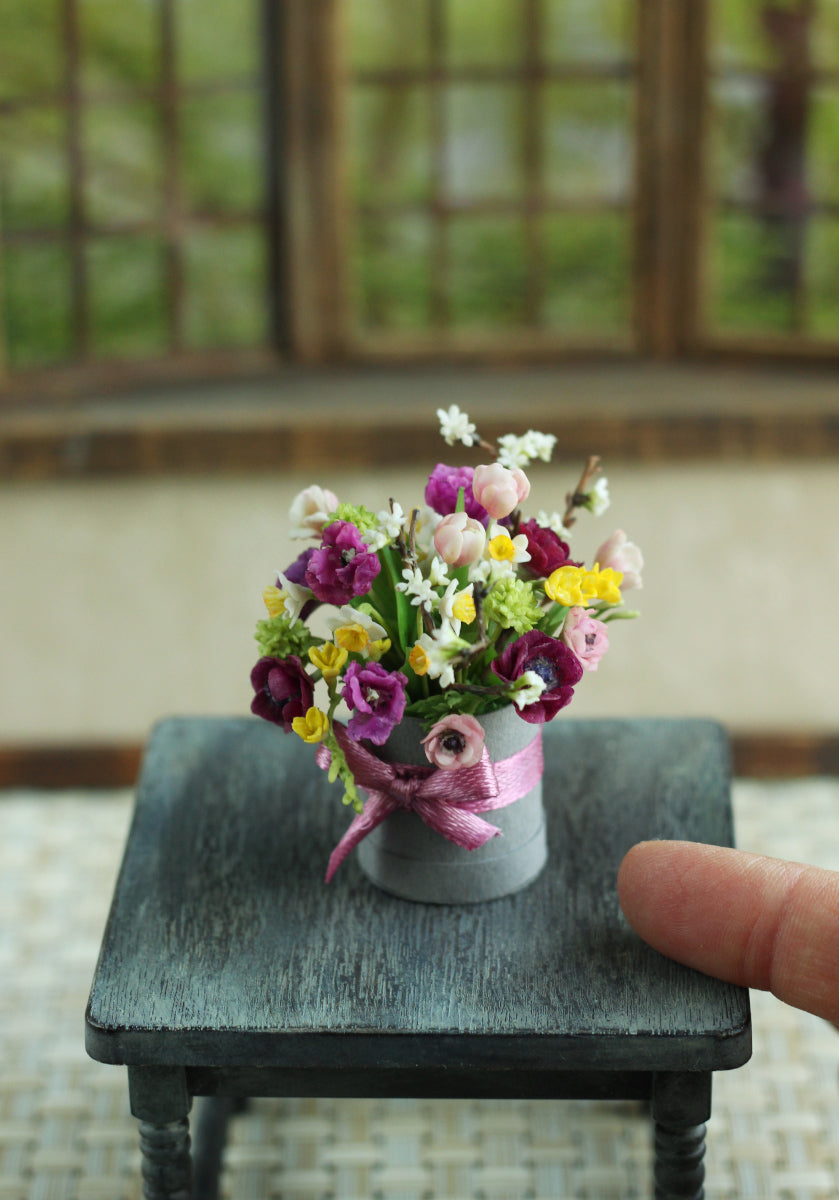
x=447 y=801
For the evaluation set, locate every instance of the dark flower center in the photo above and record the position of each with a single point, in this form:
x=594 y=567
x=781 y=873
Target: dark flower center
x=591 y=638
x=453 y=742
x=545 y=669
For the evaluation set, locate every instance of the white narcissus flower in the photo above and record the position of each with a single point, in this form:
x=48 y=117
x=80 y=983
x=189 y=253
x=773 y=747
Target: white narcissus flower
x=349 y=616
x=439 y=649
x=419 y=589
x=448 y=603
x=501 y=546
x=455 y=426
x=309 y=512
x=294 y=596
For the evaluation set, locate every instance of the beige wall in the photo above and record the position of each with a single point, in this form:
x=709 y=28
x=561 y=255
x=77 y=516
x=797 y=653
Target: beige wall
x=125 y=601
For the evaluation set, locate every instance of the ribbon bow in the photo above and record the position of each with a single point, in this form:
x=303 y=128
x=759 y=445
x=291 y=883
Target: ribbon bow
x=447 y=801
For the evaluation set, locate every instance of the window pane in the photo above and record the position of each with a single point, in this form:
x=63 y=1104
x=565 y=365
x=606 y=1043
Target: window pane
x=393 y=273
x=488 y=272
x=225 y=283
x=127 y=296
x=823 y=145
x=218 y=39
x=36 y=304
x=120 y=43
x=824 y=35
x=749 y=263
x=122 y=151
x=34 y=175
x=587 y=272
x=589 y=140
x=387 y=33
x=823 y=276
x=222 y=153
x=31 y=47
x=589 y=30
x=486 y=33
x=390 y=147
x=738 y=121
x=484 y=146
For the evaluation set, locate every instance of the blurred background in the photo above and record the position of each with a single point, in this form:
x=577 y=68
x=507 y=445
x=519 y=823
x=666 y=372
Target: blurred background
x=246 y=246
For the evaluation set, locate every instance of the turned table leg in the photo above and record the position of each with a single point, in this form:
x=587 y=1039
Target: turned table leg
x=161 y=1103
x=681 y=1106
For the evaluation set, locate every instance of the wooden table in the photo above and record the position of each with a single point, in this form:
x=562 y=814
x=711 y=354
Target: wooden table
x=228 y=969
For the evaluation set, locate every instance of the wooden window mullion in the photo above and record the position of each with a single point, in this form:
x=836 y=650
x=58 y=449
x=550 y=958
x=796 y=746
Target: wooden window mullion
x=440 y=293
x=533 y=155
x=75 y=167
x=172 y=222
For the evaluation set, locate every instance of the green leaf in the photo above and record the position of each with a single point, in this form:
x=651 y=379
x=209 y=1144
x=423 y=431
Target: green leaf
x=552 y=619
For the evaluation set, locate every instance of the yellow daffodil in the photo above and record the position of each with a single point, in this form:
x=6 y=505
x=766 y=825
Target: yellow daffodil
x=353 y=638
x=274 y=601
x=602 y=585
x=501 y=548
x=419 y=660
x=328 y=659
x=312 y=727
x=463 y=608
x=379 y=648
x=564 y=586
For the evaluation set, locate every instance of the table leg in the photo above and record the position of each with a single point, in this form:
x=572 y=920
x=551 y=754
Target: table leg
x=681 y=1104
x=161 y=1102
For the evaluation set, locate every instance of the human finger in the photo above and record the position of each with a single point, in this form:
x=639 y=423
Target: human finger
x=754 y=921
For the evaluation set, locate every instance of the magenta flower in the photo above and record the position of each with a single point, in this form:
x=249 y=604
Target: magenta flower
x=586 y=636
x=454 y=742
x=343 y=566
x=547 y=550
x=283 y=690
x=552 y=661
x=377 y=700
x=442 y=489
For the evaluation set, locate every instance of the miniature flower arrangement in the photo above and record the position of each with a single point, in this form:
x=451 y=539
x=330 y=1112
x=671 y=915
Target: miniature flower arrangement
x=446 y=612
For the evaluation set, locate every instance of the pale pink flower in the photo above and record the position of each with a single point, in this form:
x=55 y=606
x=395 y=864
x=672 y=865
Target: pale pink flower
x=621 y=555
x=310 y=512
x=454 y=742
x=500 y=489
x=459 y=539
x=585 y=637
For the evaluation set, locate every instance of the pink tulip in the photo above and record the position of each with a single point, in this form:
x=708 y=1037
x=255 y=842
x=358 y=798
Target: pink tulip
x=585 y=637
x=454 y=742
x=459 y=539
x=621 y=555
x=500 y=489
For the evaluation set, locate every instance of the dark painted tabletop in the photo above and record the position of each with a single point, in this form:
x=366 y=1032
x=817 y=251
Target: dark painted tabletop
x=224 y=945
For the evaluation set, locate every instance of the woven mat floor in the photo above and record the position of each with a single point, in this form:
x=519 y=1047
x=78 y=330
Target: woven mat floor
x=66 y=1132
